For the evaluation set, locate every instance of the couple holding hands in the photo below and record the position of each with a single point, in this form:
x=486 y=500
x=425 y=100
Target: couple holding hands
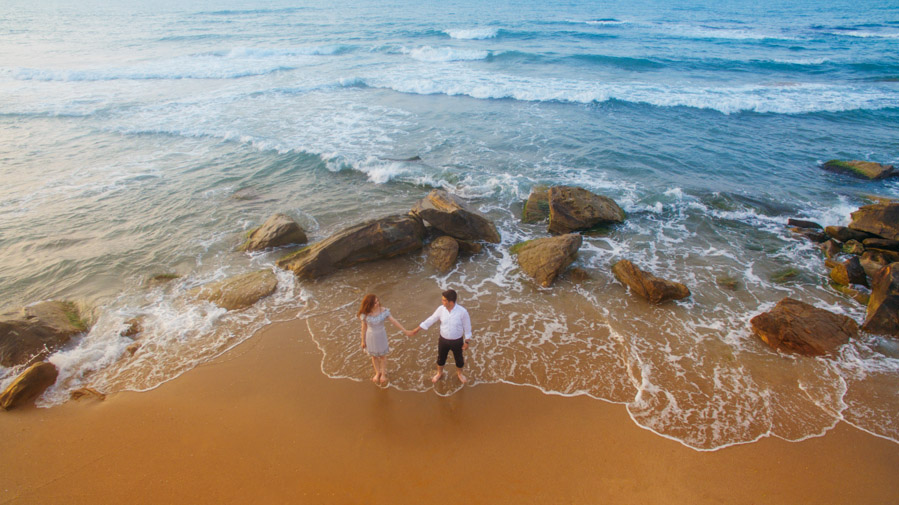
x=455 y=332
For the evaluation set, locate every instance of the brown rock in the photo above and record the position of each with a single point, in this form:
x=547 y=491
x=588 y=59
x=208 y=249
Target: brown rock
x=277 y=231
x=799 y=327
x=800 y=223
x=578 y=275
x=29 y=385
x=372 y=240
x=133 y=348
x=545 y=258
x=36 y=331
x=845 y=234
x=466 y=247
x=133 y=326
x=831 y=248
x=873 y=261
x=855 y=294
x=537 y=207
x=86 y=392
x=648 y=286
x=881 y=219
x=572 y=208
x=849 y=272
x=881 y=243
x=449 y=214
x=863 y=169
x=240 y=291
x=442 y=253
x=813 y=235
x=883 y=308
x=853 y=247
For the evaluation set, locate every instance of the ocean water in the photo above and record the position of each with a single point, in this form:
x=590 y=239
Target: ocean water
x=146 y=138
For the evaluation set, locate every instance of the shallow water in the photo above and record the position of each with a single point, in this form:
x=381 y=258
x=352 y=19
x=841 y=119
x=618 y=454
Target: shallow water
x=139 y=141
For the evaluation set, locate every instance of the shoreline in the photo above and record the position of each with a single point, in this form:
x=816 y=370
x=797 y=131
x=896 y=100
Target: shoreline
x=263 y=423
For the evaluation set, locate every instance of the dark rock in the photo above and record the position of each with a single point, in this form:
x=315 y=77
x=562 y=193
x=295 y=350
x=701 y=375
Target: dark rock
x=160 y=279
x=873 y=261
x=881 y=219
x=813 y=235
x=277 y=231
x=881 y=243
x=29 y=385
x=572 y=208
x=853 y=247
x=372 y=240
x=133 y=326
x=804 y=224
x=545 y=258
x=863 y=169
x=578 y=275
x=802 y=328
x=537 y=206
x=883 y=309
x=240 y=291
x=785 y=275
x=845 y=234
x=452 y=216
x=648 y=286
x=36 y=331
x=442 y=253
x=727 y=281
x=466 y=247
x=831 y=248
x=849 y=272
x=133 y=348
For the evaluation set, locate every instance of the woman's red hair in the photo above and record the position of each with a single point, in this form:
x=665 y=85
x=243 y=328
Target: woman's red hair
x=368 y=303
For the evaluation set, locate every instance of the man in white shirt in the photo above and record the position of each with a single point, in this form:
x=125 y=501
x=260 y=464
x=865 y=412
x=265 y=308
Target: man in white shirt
x=455 y=332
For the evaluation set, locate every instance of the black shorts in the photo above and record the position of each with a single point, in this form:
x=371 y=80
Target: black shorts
x=444 y=346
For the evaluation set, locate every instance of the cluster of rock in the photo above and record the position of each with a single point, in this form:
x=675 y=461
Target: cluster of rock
x=862 y=169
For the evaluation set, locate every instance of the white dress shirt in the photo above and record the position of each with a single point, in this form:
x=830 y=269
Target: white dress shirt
x=453 y=323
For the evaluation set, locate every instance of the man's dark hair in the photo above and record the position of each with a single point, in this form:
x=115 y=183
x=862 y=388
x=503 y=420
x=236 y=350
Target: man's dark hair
x=450 y=295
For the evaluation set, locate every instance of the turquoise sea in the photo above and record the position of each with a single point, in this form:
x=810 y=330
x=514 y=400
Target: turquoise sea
x=142 y=138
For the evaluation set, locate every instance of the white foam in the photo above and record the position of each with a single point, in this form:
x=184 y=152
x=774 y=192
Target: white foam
x=443 y=54
x=472 y=33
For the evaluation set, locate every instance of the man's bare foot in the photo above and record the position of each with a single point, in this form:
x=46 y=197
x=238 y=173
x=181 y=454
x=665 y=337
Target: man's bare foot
x=436 y=377
x=462 y=379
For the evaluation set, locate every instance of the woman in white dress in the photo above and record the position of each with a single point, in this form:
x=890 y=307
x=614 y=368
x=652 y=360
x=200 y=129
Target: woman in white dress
x=374 y=335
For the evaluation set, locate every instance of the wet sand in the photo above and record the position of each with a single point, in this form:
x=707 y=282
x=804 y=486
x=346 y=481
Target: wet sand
x=262 y=424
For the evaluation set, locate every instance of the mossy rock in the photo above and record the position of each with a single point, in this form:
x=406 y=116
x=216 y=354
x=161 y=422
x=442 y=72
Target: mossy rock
x=727 y=281
x=515 y=249
x=785 y=275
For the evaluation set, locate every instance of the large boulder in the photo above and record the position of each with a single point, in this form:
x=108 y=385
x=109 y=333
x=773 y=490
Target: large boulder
x=648 y=286
x=883 y=307
x=849 y=272
x=449 y=214
x=845 y=234
x=442 y=253
x=238 y=292
x=881 y=243
x=881 y=219
x=278 y=230
x=802 y=328
x=36 y=331
x=572 y=208
x=863 y=169
x=536 y=208
x=29 y=385
x=372 y=240
x=873 y=261
x=545 y=258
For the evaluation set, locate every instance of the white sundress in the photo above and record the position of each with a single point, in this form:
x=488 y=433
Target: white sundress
x=375 y=334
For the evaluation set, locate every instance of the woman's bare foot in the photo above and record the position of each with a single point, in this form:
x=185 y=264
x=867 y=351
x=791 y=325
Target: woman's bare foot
x=436 y=377
x=375 y=378
x=383 y=378
x=462 y=378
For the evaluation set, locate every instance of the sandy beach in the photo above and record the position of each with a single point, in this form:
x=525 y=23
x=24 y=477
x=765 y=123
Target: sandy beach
x=262 y=424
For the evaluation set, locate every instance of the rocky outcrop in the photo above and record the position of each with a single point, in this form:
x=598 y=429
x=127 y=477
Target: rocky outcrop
x=881 y=219
x=452 y=216
x=36 y=331
x=873 y=261
x=372 y=240
x=537 y=206
x=442 y=253
x=277 y=231
x=572 y=208
x=648 y=286
x=863 y=169
x=801 y=223
x=811 y=234
x=845 y=234
x=883 y=307
x=881 y=243
x=849 y=272
x=29 y=385
x=831 y=248
x=802 y=328
x=238 y=292
x=853 y=247
x=545 y=258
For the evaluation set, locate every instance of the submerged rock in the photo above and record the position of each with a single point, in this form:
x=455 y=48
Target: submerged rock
x=238 y=292
x=572 y=208
x=277 y=231
x=537 y=206
x=449 y=214
x=801 y=223
x=36 y=331
x=863 y=169
x=545 y=258
x=29 y=385
x=813 y=235
x=369 y=241
x=882 y=316
x=648 y=286
x=442 y=253
x=881 y=219
x=802 y=328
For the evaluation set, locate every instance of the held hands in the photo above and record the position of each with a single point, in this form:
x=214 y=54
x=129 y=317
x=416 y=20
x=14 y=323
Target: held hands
x=412 y=333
